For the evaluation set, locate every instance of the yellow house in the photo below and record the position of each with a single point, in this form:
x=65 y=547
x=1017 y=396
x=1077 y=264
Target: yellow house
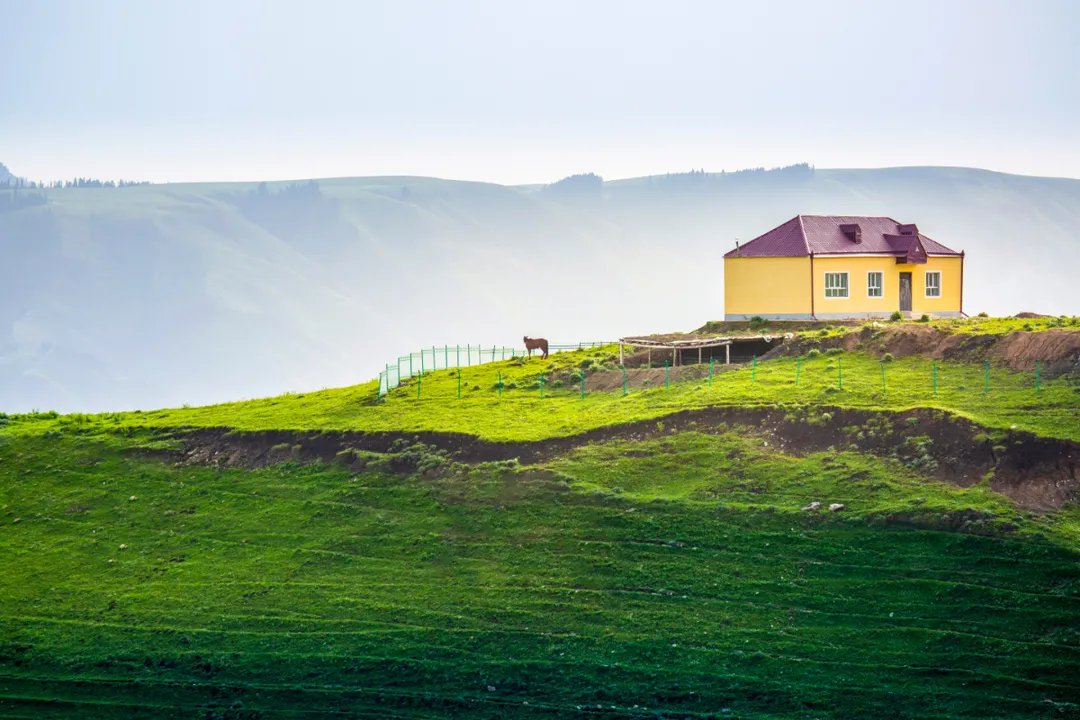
x=832 y=267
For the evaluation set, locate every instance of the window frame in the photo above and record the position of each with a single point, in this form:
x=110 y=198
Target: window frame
x=926 y=284
x=846 y=287
x=880 y=287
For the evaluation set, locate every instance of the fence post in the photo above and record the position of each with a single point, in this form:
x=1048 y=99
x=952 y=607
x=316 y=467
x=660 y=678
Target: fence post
x=933 y=367
x=798 y=368
x=421 y=362
x=492 y=353
x=457 y=363
x=667 y=381
x=623 y=380
x=410 y=365
x=1038 y=375
x=434 y=360
x=446 y=356
x=839 y=374
x=986 y=376
x=468 y=355
x=459 y=382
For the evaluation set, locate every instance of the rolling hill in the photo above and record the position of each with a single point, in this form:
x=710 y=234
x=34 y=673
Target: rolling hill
x=156 y=295
x=841 y=534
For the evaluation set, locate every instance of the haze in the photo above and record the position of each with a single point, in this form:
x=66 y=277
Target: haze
x=530 y=92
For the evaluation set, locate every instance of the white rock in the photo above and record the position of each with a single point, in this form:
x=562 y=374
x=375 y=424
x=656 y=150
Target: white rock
x=836 y=506
x=813 y=506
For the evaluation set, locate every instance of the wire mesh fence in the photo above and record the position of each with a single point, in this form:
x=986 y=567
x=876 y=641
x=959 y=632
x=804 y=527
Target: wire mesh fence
x=445 y=357
x=786 y=376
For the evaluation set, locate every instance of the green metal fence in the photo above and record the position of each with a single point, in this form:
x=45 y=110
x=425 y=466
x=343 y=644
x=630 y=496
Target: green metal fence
x=444 y=357
x=803 y=374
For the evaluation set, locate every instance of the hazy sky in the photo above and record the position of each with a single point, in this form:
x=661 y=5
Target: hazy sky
x=532 y=91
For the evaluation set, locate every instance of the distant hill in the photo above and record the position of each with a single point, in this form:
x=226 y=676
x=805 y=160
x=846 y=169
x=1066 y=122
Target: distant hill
x=5 y=174
x=164 y=294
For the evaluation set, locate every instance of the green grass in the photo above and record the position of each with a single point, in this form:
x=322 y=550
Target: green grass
x=671 y=578
x=674 y=576
x=521 y=414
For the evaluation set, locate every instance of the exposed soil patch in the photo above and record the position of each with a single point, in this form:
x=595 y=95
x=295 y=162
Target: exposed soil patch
x=1059 y=350
x=1038 y=473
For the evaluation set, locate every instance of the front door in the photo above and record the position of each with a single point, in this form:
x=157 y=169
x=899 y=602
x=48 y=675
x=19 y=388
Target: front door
x=905 y=292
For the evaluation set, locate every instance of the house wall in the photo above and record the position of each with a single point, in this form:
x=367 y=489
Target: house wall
x=773 y=288
x=859 y=304
x=779 y=288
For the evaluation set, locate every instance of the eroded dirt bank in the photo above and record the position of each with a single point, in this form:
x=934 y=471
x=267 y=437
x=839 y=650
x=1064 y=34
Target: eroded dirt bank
x=1058 y=350
x=1038 y=473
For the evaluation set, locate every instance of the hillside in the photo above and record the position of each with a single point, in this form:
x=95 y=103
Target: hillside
x=834 y=530
x=149 y=296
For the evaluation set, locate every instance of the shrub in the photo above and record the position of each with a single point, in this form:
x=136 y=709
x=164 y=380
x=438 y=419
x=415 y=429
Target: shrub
x=757 y=322
x=924 y=318
x=983 y=315
x=887 y=357
x=896 y=316
x=823 y=332
x=834 y=351
x=1028 y=327
x=813 y=352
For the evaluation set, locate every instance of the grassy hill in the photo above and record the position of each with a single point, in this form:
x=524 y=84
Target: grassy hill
x=151 y=296
x=653 y=554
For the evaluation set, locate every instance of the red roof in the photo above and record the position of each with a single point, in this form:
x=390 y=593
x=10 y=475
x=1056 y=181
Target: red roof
x=832 y=234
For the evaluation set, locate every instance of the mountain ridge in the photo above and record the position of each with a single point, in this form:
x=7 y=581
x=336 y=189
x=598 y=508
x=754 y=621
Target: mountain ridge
x=153 y=295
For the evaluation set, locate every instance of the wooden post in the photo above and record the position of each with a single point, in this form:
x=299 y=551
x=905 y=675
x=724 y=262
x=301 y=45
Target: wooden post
x=699 y=356
x=727 y=354
x=620 y=354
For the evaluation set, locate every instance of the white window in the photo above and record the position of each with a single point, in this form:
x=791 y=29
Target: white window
x=836 y=285
x=933 y=284
x=874 y=284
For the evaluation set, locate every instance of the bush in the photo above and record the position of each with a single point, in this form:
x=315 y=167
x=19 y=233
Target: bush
x=896 y=316
x=887 y=357
x=982 y=314
x=834 y=351
x=757 y=322
x=813 y=352
x=924 y=318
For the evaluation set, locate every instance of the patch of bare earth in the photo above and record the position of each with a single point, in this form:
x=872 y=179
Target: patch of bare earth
x=1038 y=473
x=1058 y=350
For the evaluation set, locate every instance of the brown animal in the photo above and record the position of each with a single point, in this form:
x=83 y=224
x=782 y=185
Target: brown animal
x=536 y=344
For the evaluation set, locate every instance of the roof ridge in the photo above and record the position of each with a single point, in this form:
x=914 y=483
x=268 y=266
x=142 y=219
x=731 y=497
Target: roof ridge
x=802 y=231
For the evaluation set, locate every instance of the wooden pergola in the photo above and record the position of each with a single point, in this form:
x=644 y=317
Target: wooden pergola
x=677 y=345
